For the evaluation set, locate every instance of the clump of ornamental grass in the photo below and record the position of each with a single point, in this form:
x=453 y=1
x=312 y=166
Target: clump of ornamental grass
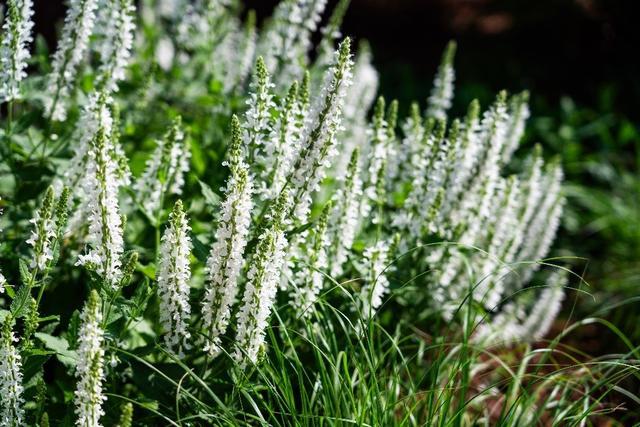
x=339 y=264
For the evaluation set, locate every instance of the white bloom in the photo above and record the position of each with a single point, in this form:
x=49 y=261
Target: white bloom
x=346 y=215
x=319 y=140
x=309 y=279
x=89 y=397
x=286 y=44
x=505 y=222
x=226 y=258
x=377 y=155
x=11 y=388
x=14 y=50
x=165 y=169
x=358 y=101
x=95 y=115
x=115 y=48
x=42 y=233
x=442 y=92
x=547 y=306
x=164 y=53
x=282 y=148
x=377 y=285
x=519 y=113
x=105 y=224
x=72 y=45
x=258 y=124
x=514 y=323
x=174 y=273
x=542 y=229
x=261 y=288
x=3 y=283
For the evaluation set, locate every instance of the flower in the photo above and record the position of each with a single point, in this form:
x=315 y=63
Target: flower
x=42 y=233
x=165 y=169
x=262 y=285
x=377 y=285
x=105 y=224
x=287 y=40
x=227 y=253
x=318 y=141
x=442 y=92
x=258 y=126
x=11 y=387
x=517 y=323
x=88 y=396
x=346 y=215
x=115 y=48
x=174 y=274
x=14 y=49
x=72 y=45
x=309 y=279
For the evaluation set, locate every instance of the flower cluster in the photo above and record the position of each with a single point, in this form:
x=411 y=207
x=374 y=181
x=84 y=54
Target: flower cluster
x=319 y=140
x=105 y=237
x=227 y=253
x=89 y=397
x=14 y=48
x=165 y=169
x=115 y=48
x=11 y=387
x=72 y=46
x=174 y=273
x=262 y=285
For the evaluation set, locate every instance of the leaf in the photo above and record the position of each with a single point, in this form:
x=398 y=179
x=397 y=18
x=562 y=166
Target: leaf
x=210 y=196
x=25 y=274
x=61 y=348
x=72 y=330
x=10 y=292
x=200 y=250
x=19 y=303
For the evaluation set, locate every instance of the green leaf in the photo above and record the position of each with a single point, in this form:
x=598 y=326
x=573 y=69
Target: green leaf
x=210 y=196
x=200 y=250
x=19 y=303
x=61 y=348
x=25 y=274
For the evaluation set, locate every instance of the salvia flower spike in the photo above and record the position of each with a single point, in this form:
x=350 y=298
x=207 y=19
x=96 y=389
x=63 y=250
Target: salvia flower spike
x=12 y=412
x=88 y=396
x=174 y=274
x=78 y=27
x=14 y=48
x=105 y=240
x=227 y=253
x=262 y=285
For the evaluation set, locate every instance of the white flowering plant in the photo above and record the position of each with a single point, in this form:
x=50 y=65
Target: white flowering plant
x=210 y=222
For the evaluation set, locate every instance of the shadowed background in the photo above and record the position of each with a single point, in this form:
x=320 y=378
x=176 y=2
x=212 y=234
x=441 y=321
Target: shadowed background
x=551 y=47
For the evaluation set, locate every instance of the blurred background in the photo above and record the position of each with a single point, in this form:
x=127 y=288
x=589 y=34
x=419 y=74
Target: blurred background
x=580 y=59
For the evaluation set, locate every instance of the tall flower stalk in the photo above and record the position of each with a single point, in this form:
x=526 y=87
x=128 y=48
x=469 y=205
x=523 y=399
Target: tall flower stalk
x=319 y=139
x=43 y=232
x=345 y=218
x=88 y=396
x=14 y=48
x=105 y=240
x=262 y=285
x=72 y=45
x=309 y=279
x=165 y=169
x=115 y=49
x=174 y=273
x=11 y=388
x=227 y=253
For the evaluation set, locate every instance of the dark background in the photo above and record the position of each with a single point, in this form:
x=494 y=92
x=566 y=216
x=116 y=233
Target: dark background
x=553 y=48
